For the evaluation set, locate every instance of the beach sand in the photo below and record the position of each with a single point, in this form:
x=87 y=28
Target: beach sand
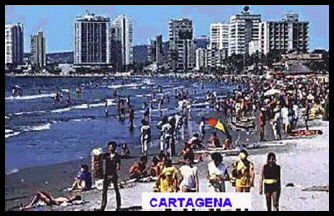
x=304 y=163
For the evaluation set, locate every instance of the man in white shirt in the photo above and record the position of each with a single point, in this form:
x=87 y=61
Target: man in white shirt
x=217 y=173
x=189 y=177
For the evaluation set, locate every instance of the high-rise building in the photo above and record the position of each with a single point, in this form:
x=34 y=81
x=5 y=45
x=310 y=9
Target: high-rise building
x=156 y=51
x=38 y=54
x=201 y=55
x=91 y=40
x=181 y=53
x=219 y=35
x=14 y=44
x=285 y=35
x=244 y=28
x=122 y=34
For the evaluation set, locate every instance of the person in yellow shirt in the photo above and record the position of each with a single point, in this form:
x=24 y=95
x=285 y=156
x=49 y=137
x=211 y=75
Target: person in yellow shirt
x=243 y=173
x=168 y=177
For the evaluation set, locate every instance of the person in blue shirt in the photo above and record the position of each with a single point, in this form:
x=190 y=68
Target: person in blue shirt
x=83 y=181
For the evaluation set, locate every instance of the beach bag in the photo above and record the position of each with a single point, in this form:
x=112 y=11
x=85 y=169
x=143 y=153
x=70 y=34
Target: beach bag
x=96 y=156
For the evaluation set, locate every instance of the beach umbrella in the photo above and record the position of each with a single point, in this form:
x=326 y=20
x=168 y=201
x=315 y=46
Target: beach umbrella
x=272 y=92
x=214 y=122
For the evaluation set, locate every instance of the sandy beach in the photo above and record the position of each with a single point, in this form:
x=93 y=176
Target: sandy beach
x=304 y=164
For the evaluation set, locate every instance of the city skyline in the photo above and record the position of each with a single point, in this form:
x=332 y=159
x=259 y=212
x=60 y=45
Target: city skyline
x=57 y=21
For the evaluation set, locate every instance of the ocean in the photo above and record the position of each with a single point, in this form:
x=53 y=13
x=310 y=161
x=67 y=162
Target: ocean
x=39 y=131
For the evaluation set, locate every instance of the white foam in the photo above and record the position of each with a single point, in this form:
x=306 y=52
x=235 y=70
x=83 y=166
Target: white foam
x=46 y=126
x=11 y=134
x=30 y=97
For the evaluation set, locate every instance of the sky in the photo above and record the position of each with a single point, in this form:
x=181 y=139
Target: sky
x=57 y=21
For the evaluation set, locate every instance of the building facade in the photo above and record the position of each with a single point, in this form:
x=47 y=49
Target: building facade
x=181 y=52
x=201 y=58
x=156 y=50
x=122 y=35
x=243 y=29
x=14 y=44
x=38 y=47
x=91 y=41
x=285 y=35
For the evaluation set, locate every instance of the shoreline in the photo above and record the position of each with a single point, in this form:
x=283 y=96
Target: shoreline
x=56 y=178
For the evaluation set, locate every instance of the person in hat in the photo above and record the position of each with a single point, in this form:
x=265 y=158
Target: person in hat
x=243 y=172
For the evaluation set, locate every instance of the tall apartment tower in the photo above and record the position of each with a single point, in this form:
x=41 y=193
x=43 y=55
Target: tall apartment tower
x=155 y=50
x=244 y=28
x=14 y=44
x=91 y=40
x=285 y=35
x=181 y=53
x=218 y=46
x=123 y=34
x=219 y=35
x=37 y=46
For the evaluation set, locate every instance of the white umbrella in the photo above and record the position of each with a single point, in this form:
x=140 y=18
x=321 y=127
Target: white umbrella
x=272 y=92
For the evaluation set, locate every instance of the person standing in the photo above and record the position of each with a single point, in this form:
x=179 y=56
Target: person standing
x=270 y=177
x=111 y=163
x=243 y=172
x=189 y=177
x=217 y=173
x=262 y=124
x=145 y=136
x=276 y=123
x=202 y=128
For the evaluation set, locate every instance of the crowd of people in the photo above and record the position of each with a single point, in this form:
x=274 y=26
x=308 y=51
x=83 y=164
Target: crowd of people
x=281 y=102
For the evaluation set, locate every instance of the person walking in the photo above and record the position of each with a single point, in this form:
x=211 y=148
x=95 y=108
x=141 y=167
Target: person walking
x=270 y=177
x=111 y=163
x=262 y=124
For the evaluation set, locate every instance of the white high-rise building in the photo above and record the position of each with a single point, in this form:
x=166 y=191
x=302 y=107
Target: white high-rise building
x=91 y=40
x=244 y=28
x=14 y=44
x=219 y=35
x=181 y=52
x=201 y=61
x=285 y=35
x=122 y=28
x=38 y=54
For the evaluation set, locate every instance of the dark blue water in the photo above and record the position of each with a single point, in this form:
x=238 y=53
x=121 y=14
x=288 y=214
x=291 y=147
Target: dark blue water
x=39 y=131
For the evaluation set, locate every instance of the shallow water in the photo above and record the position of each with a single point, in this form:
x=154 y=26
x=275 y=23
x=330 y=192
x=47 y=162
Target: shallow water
x=39 y=131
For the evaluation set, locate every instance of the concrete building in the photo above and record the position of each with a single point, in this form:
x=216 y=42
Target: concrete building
x=219 y=44
x=285 y=35
x=181 y=52
x=219 y=35
x=123 y=35
x=14 y=44
x=243 y=29
x=201 y=61
x=91 y=41
x=38 y=50
x=156 y=50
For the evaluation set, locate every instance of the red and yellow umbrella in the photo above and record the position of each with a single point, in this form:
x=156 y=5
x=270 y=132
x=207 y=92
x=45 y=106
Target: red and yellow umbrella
x=214 y=122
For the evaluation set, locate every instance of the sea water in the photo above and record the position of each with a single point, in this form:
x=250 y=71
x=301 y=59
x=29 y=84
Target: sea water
x=39 y=131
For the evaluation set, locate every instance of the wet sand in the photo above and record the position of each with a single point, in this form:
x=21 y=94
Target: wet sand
x=304 y=162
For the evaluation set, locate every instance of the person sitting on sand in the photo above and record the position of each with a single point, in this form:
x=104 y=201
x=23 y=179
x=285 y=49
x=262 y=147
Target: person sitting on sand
x=194 y=142
x=214 y=140
x=125 y=151
x=83 y=181
x=139 y=170
x=49 y=200
x=154 y=168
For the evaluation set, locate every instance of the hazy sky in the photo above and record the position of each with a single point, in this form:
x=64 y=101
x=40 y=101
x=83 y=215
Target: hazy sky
x=57 y=21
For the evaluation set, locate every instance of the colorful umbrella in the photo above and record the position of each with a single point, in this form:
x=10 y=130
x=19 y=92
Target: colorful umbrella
x=216 y=124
